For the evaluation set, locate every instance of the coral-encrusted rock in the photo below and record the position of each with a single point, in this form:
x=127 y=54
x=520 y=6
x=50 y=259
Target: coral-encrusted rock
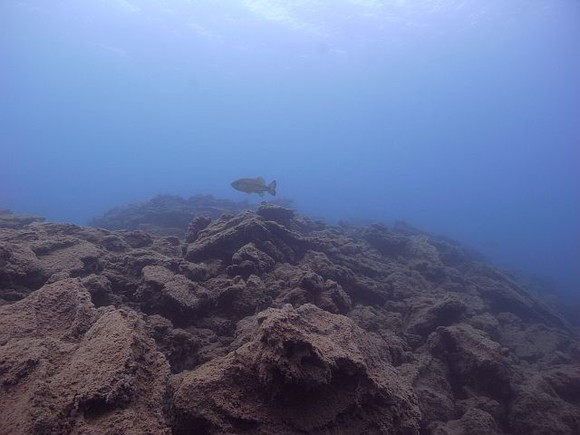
x=66 y=367
x=304 y=370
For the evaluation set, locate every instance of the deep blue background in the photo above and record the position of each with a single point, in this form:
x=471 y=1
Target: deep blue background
x=460 y=117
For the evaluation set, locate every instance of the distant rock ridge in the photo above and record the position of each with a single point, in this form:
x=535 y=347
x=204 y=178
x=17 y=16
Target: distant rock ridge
x=9 y=219
x=169 y=214
x=266 y=322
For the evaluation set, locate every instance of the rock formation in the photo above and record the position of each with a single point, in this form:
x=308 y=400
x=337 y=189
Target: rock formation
x=267 y=322
x=167 y=215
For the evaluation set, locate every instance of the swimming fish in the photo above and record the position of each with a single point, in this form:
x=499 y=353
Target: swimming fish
x=255 y=185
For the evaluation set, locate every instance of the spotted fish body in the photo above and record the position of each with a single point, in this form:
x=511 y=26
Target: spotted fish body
x=255 y=185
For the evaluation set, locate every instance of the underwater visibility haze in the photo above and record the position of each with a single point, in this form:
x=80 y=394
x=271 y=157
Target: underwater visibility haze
x=459 y=117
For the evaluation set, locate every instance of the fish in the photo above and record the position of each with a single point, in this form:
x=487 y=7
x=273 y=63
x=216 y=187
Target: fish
x=255 y=185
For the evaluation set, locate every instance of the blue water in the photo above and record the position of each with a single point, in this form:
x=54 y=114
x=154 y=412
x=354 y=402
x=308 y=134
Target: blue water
x=459 y=117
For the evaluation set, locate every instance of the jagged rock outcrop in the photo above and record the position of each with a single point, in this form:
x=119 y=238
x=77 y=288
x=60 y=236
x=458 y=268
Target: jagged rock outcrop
x=8 y=219
x=301 y=370
x=267 y=322
x=167 y=215
x=66 y=367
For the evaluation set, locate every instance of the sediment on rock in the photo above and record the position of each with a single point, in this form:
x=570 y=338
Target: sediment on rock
x=268 y=322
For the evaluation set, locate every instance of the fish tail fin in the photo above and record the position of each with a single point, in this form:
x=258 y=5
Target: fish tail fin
x=272 y=188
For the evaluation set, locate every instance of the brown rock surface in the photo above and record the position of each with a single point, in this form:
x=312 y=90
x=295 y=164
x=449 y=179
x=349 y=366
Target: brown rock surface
x=167 y=215
x=302 y=370
x=268 y=322
x=66 y=367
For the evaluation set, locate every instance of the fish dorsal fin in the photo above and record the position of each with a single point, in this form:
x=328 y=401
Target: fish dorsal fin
x=260 y=180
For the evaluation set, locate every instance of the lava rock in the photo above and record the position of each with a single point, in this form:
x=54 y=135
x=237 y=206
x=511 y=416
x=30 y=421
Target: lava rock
x=314 y=368
x=270 y=322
